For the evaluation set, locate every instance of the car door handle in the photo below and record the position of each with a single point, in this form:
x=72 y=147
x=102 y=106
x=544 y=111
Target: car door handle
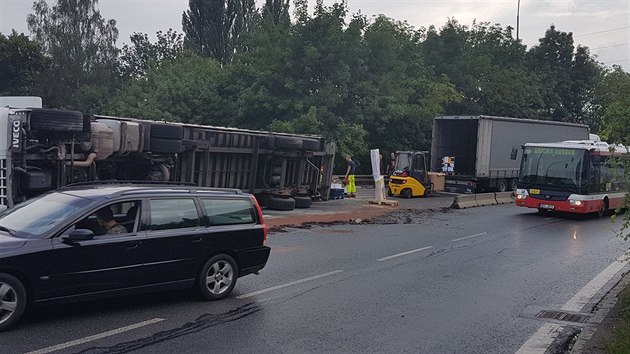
x=134 y=245
x=197 y=238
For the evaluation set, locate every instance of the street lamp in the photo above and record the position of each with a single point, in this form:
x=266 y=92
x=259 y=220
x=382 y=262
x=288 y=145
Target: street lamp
x=518 y=12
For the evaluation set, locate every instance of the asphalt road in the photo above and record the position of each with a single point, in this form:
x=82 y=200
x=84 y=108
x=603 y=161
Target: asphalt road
x=457 y=282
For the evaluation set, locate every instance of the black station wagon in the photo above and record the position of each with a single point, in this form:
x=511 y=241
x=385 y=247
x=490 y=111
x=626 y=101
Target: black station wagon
x=93 y=241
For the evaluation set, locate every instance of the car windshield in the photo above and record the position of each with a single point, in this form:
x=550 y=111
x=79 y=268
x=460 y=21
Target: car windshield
x=555 y=167
x=37 y=216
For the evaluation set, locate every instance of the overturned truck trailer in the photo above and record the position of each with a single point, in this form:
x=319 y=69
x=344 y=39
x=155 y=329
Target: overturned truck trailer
x=46 y=149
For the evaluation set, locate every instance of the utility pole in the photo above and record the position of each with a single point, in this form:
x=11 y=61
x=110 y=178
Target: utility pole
x=518 y=13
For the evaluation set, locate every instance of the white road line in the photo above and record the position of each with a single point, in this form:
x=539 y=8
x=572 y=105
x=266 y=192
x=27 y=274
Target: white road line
x=547 y=333
x=584 y=296
x=471 y=236
x=288 y=284
x=95 y=337
x=404 y=253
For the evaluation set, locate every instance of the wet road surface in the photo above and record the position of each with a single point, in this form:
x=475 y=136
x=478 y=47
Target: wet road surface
x=444 y=282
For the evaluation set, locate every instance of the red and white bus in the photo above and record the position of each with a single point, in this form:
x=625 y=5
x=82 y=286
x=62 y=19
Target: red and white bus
x=571 y=176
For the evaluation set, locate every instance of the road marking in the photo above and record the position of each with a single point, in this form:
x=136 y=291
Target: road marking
x=95 y=337
x=471 y=236
x=547 y=333
x=404 y=253
x=263 y=291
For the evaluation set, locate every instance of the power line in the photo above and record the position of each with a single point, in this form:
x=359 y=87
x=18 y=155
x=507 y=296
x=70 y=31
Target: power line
x=604 y=31
x=610 y=46
x=616 y=61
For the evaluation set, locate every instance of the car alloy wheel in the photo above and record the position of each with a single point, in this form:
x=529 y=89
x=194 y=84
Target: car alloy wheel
x=12 y=301
x=218 y=277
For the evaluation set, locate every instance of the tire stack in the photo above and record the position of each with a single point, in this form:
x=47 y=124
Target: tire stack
x=166 y=138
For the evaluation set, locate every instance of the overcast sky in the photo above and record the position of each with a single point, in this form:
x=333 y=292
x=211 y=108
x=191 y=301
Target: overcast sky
x=602 y=25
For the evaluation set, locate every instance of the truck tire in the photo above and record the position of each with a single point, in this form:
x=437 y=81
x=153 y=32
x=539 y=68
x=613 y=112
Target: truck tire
x=166 y=146
x=167 y=131
x=513 y=184
x=56 y=120
x=302 y=201
x=284 y=204
x=310 y=145
x=288 y=143
x=502 y=185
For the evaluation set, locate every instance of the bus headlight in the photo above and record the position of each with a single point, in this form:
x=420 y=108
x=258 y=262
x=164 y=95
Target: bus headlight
x=521 y=196
x=575 y=202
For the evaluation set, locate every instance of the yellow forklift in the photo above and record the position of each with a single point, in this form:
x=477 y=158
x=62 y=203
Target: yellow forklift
x=411 y=175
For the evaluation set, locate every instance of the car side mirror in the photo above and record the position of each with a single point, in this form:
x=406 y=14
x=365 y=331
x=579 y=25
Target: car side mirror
x=79 y=235
x=514 y=153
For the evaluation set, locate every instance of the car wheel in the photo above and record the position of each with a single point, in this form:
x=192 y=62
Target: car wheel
x=303 y=201
x=12 y=301
x=406 y=193
x=285 y=204
x=218 y=277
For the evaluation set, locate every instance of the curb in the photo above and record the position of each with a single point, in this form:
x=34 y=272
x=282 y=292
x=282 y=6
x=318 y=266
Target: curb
x=603 y=308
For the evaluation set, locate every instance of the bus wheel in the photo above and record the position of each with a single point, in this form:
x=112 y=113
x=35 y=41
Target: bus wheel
x=604 y=210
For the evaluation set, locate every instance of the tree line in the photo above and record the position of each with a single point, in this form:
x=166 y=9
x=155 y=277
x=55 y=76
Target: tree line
x=362 y=82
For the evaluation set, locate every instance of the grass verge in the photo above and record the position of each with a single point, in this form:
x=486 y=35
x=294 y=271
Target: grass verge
x=620 y=342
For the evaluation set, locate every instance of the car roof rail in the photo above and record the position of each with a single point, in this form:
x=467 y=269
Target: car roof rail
x=189 y=190
x=132 y=182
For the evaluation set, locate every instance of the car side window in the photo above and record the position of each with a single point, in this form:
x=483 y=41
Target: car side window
x=229 y=211
x=113 y=219
x=167 y=214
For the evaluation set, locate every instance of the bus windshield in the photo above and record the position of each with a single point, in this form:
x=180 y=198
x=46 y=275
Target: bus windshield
x=562 y=168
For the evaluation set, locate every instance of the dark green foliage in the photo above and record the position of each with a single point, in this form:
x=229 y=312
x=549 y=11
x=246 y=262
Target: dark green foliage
x=21 y=64
x=567 y=77
x=365 y=83
x=136 y=58
x=487 y=65
x=213 y=28
x=81 y=46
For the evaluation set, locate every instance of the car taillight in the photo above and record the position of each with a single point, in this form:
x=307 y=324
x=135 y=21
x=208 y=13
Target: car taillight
x=260 y=218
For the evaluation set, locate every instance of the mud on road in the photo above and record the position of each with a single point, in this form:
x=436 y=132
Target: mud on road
x=402 y=216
